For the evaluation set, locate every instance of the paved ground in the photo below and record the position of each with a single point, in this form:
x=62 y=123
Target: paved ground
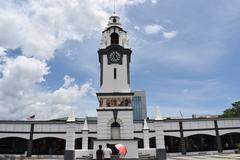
x=208 y=157
x=193 y=157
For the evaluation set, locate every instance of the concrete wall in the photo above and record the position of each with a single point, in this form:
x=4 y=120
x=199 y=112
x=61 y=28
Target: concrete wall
x=201 y=126
x=105 y=119
x=231 y=123
x=157 y=129
x=198 y=124
x=150 y=151
x=83 y=153
x=120 y=84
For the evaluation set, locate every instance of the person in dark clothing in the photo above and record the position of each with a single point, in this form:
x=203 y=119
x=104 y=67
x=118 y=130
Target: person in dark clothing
x=99 y=153
x=115 y=153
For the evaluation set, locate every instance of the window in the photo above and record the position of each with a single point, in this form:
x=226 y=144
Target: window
x=115 y=73
x=114 y=38
x=115 y=130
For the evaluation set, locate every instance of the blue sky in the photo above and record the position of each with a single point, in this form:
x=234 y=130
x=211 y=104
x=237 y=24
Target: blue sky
x=185 y=55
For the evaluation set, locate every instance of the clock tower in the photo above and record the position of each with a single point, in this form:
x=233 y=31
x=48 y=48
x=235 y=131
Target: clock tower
x=114 y=58
x=115 y=112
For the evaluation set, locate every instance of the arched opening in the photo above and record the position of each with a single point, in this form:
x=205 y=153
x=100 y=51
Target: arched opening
x=152 y=142
x=115 y=130
x=48 y=146
x=90 y=142
x=230 y=140
x=140 y=142
x=114 y=38
x=78 y=143
x=201 y=142
x=172 y=144
x=13 y=145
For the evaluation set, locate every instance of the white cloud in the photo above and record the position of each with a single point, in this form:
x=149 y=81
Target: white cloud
x=20 y=74
x=39 y=27
x=20 y=96
x=126 y=2
x=137 y=28
x=154 y=1
x=2 y=52
x=152 y=28
x=170 y=34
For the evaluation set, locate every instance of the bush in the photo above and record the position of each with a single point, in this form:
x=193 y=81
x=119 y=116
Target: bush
x=238 y=147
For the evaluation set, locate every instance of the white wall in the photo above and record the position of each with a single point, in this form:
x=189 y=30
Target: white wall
x=171 y=125
x=228 y=123
x=81 y=153
x=174 y=134
x=20 y=127
x=5 y=135
x=125 y=119
x=150 y=151
x=207 y=132
x=120 y=84
x=50 y=127
x=198 y=124
x=222 y=132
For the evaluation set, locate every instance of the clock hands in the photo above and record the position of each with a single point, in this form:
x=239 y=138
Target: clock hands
x=114 y=56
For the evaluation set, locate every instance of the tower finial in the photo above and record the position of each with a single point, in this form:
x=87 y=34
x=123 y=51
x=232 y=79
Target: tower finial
x=114 y=7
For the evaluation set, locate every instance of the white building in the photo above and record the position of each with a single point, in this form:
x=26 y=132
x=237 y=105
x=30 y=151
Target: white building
x=79 y=138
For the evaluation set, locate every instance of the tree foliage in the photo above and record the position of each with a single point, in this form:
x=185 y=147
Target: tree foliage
x=234 y=111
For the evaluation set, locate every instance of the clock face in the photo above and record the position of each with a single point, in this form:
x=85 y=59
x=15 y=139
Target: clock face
x=114 y=57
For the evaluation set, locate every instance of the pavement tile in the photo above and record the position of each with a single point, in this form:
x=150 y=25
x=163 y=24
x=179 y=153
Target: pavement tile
x=207 y=157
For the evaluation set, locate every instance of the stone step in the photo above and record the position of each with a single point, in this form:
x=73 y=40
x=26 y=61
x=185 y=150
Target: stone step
x=146 y=157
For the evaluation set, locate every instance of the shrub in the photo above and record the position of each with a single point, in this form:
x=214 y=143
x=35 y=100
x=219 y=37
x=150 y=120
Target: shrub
x=238 y=146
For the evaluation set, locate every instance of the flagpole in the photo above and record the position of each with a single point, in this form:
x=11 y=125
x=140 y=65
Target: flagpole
x=181 y=114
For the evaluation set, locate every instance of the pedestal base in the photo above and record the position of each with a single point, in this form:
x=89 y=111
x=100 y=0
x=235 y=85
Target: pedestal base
x=69 y=155
x=161 y=154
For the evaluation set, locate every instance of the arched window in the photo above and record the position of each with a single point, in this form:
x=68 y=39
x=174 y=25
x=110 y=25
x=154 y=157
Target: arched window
x=49 y=146
x=115 y=130
x=172 y=144
x=78 y=143
x=13 y=145
x=114 y=38
x=230 y=140
x=201 y=142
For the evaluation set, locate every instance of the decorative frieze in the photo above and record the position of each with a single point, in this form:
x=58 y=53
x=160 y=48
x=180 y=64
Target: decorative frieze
x=115 y=101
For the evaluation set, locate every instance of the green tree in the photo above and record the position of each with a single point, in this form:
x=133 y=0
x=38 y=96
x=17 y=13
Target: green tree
x=234 y=111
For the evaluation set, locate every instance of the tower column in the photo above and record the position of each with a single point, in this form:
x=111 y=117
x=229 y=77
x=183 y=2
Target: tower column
x=85 y=135
x=30 y=141
x=146 y=135
x=146 y=138
x=218 y=138
x=182 y=140
x=85 y=140
x=69 y=153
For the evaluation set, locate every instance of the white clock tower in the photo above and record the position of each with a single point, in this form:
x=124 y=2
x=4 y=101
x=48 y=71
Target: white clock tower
x=114 y=58
x=115 y=113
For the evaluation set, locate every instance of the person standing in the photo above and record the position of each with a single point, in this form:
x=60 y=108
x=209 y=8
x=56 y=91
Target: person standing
x=99 y=153
x=107 y=153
